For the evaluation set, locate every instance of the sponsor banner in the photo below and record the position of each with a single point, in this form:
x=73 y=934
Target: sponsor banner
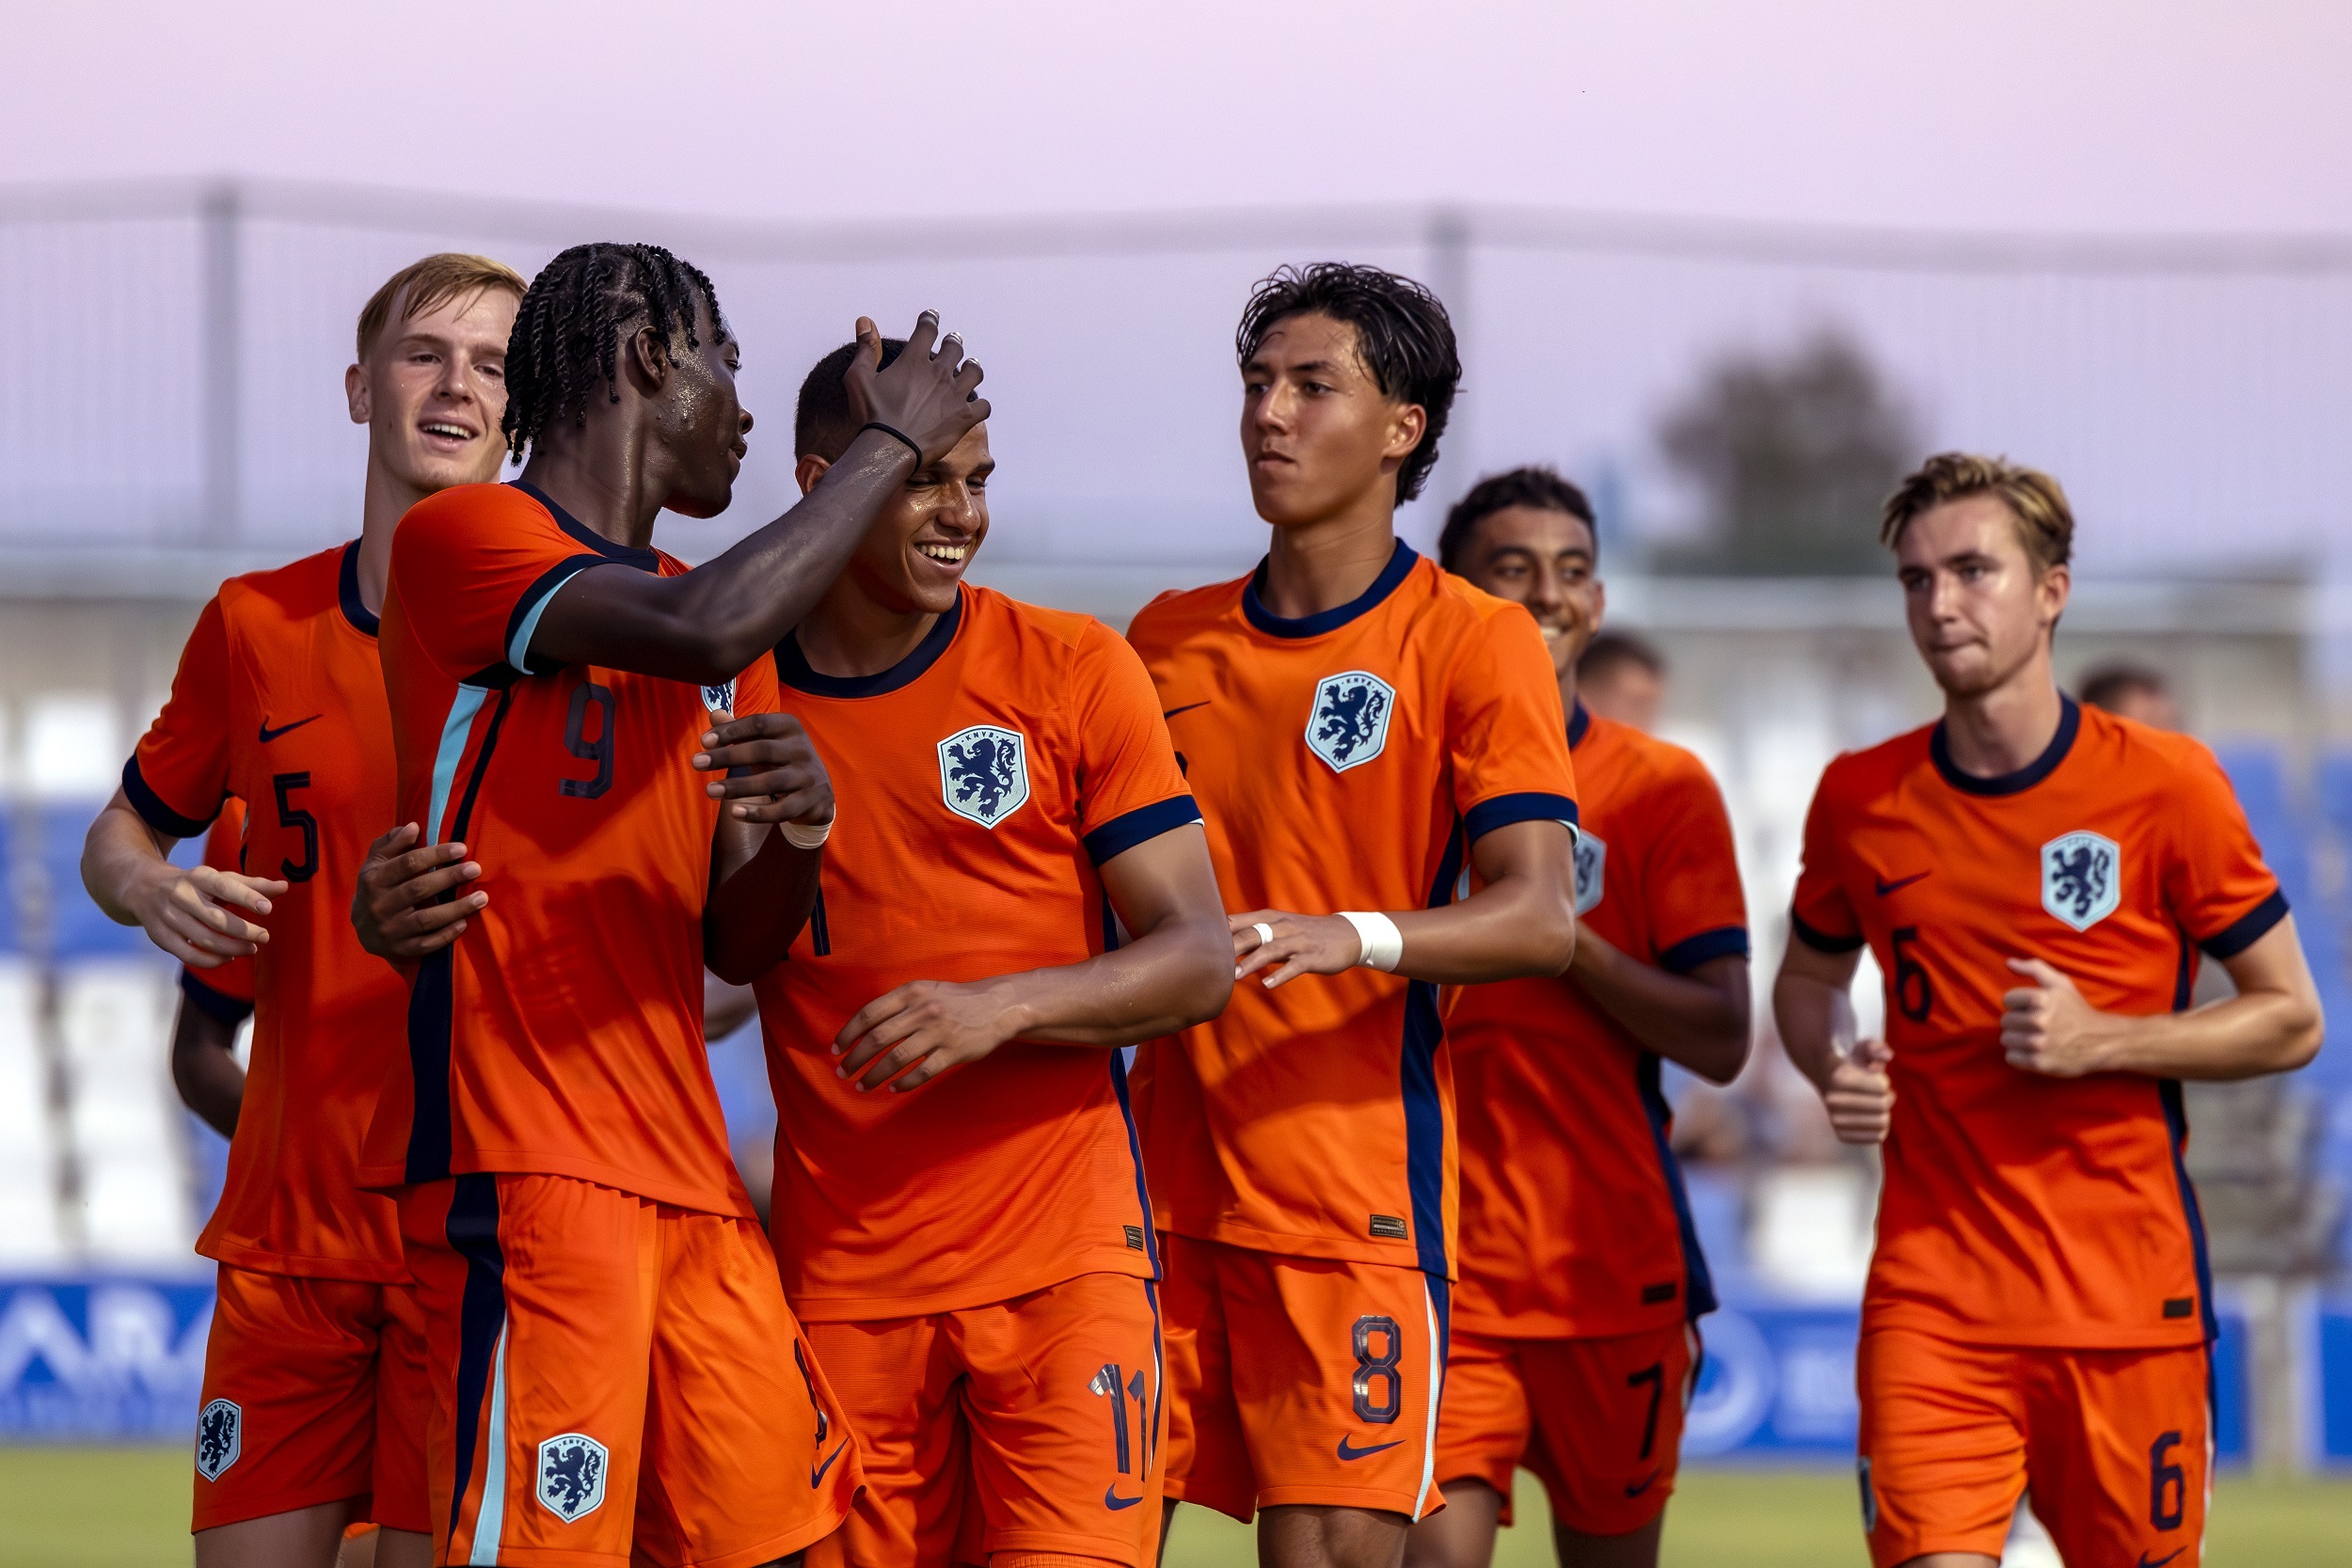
x=102 y=1359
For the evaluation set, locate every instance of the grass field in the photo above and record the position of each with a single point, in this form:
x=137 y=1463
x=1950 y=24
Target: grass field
x=128 y=1508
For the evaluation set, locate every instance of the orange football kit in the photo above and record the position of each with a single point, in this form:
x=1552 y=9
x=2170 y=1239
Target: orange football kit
x=1301 y=1147
x=310 y=1393
x=225 y=992
x=611 y=1359
x=973 y=1258
x=1581 y=1272
x=2039 y=1305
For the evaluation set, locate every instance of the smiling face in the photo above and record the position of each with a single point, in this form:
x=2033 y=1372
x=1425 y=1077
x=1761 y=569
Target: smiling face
x=1542 y=559
x=918 y=550
x=699 y=424
x=432 y=391
x=1316 y=430
x=1979 y=614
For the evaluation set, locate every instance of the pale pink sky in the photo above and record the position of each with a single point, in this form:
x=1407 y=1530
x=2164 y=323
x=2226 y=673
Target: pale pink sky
x=2087 y=115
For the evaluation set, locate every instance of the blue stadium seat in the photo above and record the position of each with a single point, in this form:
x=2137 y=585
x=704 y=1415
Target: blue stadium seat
x=78 y=929
x=11 y=940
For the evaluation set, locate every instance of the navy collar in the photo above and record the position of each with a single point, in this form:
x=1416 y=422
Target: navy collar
x=1580 y=724
x=793 y=671
x=347 y=589
x=1401 y=562
x=2069 y=722
x=629 y=554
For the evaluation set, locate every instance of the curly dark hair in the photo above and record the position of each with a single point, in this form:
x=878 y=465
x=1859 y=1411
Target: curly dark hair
x=1403 y=335
x=567 y=331
x=1533 y=485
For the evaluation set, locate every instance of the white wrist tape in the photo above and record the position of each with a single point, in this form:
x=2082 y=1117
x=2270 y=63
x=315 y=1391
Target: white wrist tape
x=803 y=837
x=1384 y=945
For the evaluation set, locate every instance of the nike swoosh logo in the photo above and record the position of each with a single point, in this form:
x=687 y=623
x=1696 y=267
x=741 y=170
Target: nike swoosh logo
x=1643 y=1485
x=2147 y=1562
x=1112 y=1501
x=1348 y=1452
x=819 y=1474
x=1186 y=708
x=1886 y=887
x=269 y=735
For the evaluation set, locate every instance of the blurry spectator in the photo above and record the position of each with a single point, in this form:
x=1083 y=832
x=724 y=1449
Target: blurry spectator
x=2132 y=692
x=1622 y=676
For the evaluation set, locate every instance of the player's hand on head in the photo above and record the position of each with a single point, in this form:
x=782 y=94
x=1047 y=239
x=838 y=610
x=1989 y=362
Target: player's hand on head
x=1859 y=1096
x=2046 y=1026
x=198 y=914
x=920 y=1030
x=930 y=393
x=782 y=779
x=397 y=907
x=1290 y=946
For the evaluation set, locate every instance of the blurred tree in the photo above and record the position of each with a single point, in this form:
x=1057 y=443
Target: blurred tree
x=1793 y=453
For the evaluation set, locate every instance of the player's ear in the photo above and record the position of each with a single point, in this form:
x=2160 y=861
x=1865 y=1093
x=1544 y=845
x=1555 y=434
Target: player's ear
x=358 y=393
x=1404 y=430
x=2056 y=587
x=808 y=470
x=647 y=357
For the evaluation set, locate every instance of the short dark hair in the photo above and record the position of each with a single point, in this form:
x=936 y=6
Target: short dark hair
x=1535 y=485
x=1609 y=649
x=567 y=330
x=821 y=420
x=2109 y=684
x=1403 y=335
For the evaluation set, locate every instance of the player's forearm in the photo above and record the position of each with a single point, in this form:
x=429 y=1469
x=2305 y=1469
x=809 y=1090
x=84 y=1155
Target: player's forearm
x=1513 y=928
x=711 y=623
x=121 y=859
x=1698 y=1020
x=754 y=914
x=1807 y=1010
x=204 y=1067
x=2245 y=1037
x=1171 y=977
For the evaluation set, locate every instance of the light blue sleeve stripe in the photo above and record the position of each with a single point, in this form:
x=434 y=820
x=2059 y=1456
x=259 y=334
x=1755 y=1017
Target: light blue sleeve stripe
x=491 y=1519
x=520 y=649
x=453 y=733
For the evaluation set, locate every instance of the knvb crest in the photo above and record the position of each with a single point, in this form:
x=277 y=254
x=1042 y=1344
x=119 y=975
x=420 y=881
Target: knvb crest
x=2082 y=879
x=219 y=1438
x=1349 y=722
x=571 y=1475
x=1592 y=867
x=720 y=699
x=983 y=773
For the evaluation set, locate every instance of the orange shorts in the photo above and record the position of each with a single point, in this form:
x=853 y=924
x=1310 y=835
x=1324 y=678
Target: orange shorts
x=1021 y=1431
x=612 y=1374
x=2113 y=1444
x=314 y=1391
x=1300 y=1380
x=1599 y=1420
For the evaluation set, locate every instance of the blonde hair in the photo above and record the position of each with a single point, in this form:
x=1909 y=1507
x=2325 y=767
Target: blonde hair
x=2046 y=524
x=434 y=282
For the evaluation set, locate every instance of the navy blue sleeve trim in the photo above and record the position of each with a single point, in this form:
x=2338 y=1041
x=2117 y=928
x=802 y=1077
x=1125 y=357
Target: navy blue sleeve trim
x=1688 y=954
x=1818 y=939
x=531 y=599
x=231 y=1010
x=151 y=809
x=1122 y=834
x=2247 y=928
x=1503 y=810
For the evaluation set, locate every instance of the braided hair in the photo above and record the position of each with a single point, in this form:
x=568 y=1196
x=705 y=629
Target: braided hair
x=567 y=331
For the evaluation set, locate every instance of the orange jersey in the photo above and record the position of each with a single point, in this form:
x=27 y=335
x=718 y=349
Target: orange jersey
x=562 y=1034
x=2019 y=1209
x=226 y=992
x=982 y=779
x=279 y=702
x=1344 y=761
x=1573 y=1216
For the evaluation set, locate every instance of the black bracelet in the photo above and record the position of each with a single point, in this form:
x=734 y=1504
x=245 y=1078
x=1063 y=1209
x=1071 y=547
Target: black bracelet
x=895 y=435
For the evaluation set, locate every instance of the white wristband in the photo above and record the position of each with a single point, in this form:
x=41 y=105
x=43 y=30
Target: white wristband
x=802 y=836
x=1384 y=945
